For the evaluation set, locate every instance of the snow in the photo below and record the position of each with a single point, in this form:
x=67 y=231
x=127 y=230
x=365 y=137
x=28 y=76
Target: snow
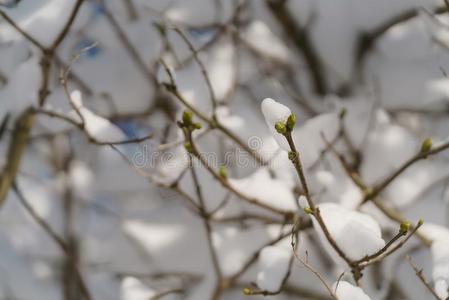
x=346 y=291
x=235 y=246
x=221 y=69
x=156 y=237
x=192 y=12
x=357 y=234
x=307 y=136
x=101 y=129
x=81 y=178
x=134 y=289
x=111 y=78
x=128 y=225
x=409 y=187
x=228 y=119
x=14 y=97
x=440 y=256
x=388 y=148
x=18 y=277
x=280 y=165
x=42 y=19
x=171 y=166
x=273 y=265
x=268 y=190
x=441 y=288
x=334 y=186
x=274 y=112
x=96 y=127
x=259 y=36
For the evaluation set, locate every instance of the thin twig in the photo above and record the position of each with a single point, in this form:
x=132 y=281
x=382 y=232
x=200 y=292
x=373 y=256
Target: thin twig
x=390 y=251
x=25 y=122
x=54 y=236
x=302 y=41
x=202 y=206
x=317 y=274
x=150 y=178
x=81 y=127
x=22 y=32
x=253 y=258
x=368 y=40
x=130 y=48
x=225 y=183
x=377 y=189
x=390 y=212
x=204 y=72
x=20 y=135
x=213 y=124
x=419 y=273
x=315 y=211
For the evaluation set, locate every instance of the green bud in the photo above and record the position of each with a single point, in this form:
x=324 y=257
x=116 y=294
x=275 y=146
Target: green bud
x=280 y=128
x=426 y=145
x=291 y=121
x=223 y=172
x=188 y=146
x=247 y=291
x=197 y=126
x=291 y=155
x=187 y=117
x=420 y=222
x=308 y=210
x=404 y=227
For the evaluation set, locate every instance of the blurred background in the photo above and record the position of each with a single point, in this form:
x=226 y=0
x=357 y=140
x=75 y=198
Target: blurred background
x=99 y=198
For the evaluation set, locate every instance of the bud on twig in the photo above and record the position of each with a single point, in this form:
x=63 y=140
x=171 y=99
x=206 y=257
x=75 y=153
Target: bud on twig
x=247 y=291
x=291 y=121
x=292 y=155
x=404 y=227
x=280 y=128
x=426 y=145
x=188 y=146
x=187 y=122
x=187 y=117
x=308 y=210
x=223 y=172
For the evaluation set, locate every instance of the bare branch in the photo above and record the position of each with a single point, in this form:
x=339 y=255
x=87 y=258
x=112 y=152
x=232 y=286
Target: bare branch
x=421 y=277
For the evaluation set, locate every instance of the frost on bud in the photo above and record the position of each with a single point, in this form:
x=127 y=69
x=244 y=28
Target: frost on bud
x=187 y=117
x=308 y=210
x=188 y=146
x=426 y=145
x=280 y=127
x=275 y=112
x=247 y=291
x=291 y=121
x=404 y=228
x=223 y=172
